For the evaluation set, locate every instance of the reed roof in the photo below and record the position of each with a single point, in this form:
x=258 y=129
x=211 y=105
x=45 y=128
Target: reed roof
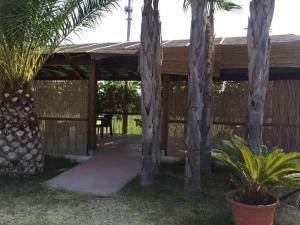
x=231 y=53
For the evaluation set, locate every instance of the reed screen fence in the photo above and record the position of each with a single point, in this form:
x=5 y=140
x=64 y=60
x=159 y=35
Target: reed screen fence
x=62 y=109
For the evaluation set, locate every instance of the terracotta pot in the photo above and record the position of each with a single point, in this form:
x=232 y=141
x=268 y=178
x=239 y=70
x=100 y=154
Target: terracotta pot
x=251 y=214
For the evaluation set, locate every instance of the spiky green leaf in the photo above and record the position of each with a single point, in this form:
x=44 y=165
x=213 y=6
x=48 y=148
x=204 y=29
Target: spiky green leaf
x=259 y=170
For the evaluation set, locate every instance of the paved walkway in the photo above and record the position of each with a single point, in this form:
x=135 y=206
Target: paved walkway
x=118 y=161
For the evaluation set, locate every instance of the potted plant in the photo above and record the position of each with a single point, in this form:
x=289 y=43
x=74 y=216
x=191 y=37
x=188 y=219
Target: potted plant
x=252 y=203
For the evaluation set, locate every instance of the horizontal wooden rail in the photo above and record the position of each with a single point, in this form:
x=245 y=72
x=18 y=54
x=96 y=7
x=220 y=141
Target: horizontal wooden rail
x=169 y=121
x=241 y=123
x=176 y=121
x=121 y=113
x=265 y=124
x=62 y=119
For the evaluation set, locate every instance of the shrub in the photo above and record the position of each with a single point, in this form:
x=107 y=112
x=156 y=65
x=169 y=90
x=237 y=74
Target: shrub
x=258 y=171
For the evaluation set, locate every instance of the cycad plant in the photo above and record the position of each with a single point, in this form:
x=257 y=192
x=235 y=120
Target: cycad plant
x=30 y=31
x=259 y=171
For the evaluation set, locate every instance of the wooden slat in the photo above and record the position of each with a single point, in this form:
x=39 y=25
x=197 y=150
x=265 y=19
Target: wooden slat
x=63 y=119
x=92 y=116
x=165 y=113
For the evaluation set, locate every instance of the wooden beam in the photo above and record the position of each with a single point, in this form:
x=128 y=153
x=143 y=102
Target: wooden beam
x=54 y=72
x=119 y=66
x=57 y=78
x=60 y=59
x=121 y=113
x=125 y=109
x=92 y=116
x=119 y=78
x=165 y=114
x=62 y=119
x=76 y=68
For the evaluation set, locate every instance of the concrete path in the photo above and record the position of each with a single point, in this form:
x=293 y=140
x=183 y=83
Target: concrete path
x=118 y=161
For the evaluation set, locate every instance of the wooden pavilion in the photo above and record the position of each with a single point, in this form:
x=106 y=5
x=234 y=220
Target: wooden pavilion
x=66 y=88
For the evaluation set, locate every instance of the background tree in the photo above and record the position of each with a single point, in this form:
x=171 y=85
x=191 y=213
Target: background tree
x=30 y=31
x=195 y=96
x=111 y=96
x=261 y=15
x=150 y=69
x=207 y=118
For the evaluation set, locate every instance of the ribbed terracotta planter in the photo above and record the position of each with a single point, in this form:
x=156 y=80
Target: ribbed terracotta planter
x=251 y=214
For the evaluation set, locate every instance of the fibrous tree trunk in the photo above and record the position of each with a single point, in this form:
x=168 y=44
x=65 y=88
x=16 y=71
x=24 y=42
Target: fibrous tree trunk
x=207 y=117
x=195 y=96
x=150 y=69
x=20 y=140
x=261 y=14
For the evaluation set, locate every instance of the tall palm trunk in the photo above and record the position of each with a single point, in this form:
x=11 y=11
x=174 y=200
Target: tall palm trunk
x=150 y=69
x=195 y=96
x=20 y=139
x=261 y=14
x=207 y=118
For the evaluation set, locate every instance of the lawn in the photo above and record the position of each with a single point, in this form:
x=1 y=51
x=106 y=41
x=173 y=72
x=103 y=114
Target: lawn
x=132 y=127
x=27 y=201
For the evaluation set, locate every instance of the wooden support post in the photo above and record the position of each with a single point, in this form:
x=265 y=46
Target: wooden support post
x=165 y=114
x=125 y=109
x=92 y=116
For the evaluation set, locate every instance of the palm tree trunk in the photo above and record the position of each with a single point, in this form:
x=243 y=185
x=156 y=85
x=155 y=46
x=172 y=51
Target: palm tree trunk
x=150 y=69
x=20 y=139
x=207 y=118
x=195 y=96
x=261 y=14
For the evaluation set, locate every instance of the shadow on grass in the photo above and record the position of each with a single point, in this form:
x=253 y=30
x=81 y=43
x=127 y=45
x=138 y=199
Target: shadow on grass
x=165 y=203
x=12 y=187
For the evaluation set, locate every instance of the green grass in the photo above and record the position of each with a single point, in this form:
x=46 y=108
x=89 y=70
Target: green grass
x=26 y=201
x=165 y=203
x=132 y=128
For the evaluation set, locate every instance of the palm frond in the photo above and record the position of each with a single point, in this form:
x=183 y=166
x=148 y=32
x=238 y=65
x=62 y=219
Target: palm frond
x=224 y=5
x=31 y=30
x=213 y=5
x=186 y=4
x=290 y=181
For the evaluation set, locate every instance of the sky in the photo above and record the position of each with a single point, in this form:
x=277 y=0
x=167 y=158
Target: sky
x=176 y=22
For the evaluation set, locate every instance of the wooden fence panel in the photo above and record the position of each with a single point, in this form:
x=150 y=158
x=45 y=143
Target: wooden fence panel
x=281 y=119
x=62 y=108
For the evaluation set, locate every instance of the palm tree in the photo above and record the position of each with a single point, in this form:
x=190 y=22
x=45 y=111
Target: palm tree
x=207 y=119
x=195 y=96
x=200 y=87
x=30 y=31
x=150 y=70
x=261 y=15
